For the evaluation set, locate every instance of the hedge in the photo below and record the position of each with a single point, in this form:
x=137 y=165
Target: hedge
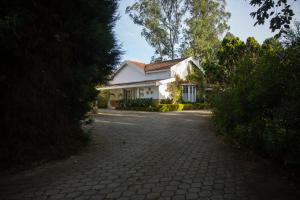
x=180 y=107
x=146 y=105
x=149 y=109
x=135 y=103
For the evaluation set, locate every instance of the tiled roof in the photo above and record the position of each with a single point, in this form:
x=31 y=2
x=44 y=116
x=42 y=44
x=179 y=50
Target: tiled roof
x=161 y=65
x=139 y=64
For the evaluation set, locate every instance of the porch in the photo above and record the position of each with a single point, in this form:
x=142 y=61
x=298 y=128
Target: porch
x=154 y=89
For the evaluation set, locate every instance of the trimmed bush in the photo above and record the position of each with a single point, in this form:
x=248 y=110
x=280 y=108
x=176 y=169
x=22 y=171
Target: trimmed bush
x=180 y=107
x=199 y=106
x=148 y=105
x=135 y=103
x=166 y=101
x=168 y=107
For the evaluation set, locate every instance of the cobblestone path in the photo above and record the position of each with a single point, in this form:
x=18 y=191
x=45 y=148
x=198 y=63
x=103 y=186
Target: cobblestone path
x=139 y=155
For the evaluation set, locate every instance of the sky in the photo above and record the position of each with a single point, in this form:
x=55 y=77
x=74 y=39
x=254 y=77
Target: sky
x=241 y=24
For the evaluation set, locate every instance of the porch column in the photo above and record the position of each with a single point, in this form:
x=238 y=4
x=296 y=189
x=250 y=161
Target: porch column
x=109 y=106
x=137 y=93
x=195 y=93
x=189 y=92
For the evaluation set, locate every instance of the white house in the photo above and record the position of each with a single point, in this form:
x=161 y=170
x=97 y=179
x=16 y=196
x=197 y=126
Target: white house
x=134 y=79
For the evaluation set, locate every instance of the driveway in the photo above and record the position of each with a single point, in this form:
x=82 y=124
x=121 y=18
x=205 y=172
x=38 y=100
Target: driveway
x=142 y=155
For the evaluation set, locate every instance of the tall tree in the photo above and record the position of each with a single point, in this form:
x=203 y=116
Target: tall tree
x=53 y=54
x=207 y=22
x=279 y=11
x=161 y=22
x=230 y=51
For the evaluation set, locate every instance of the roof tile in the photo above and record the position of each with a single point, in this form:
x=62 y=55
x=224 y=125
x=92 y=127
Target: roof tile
x=161 y=65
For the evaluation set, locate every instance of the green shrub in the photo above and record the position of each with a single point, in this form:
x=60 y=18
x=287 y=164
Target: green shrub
x=260 y=107
x=180 y=107
x=102 y=100
x=167 y=107
x=200 y=106
x=166 y=101
x=137 y=103
x=186 y=107
x=148 y=105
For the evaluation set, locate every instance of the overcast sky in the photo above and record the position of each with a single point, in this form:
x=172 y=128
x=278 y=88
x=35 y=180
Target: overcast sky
x=241 y=24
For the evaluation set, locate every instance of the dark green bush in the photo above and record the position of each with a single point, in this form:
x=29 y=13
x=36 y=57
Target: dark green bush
x=53 y=54
x=102 y=100
x=149 y=109
x=168 y=107
x=180 y=107
x=260 y=108
x=200 y=106
x=166 y=101
x=135 y=103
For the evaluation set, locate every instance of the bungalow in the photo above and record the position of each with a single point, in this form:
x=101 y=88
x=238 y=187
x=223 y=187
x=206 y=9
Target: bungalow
x=134 y=79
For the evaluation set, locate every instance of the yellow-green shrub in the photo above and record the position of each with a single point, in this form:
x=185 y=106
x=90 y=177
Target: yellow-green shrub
x=167 y=107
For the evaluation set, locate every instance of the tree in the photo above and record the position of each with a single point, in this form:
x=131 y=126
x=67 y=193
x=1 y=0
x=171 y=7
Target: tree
x=207 y=22
x=53 y=55
x=279 y=11
x=260 y=107
x=161 y=22
x=230 y=51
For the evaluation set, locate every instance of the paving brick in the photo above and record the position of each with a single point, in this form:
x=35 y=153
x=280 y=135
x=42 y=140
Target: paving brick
x=139 y=155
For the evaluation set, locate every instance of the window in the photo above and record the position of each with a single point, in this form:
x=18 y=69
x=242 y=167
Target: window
x=189 y=93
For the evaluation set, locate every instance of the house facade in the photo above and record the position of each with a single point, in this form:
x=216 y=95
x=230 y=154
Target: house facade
x=132 y=80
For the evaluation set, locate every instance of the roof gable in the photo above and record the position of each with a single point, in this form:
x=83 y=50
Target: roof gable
x=162 y=64
x=156 y=66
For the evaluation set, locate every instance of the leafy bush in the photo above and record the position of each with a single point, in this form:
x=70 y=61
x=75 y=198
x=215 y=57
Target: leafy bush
x=199 y=106
x=180 y=107
x=149 y=109
x=260 y=107
x=136 y=103
x=168 y=107
x=102 y=99
x=186 y=107
x=166 y=101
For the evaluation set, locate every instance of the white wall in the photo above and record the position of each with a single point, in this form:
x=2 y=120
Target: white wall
x=181 y=68
x=153 y=95
x=163 y=92
x=128 y=73
x=158 y=75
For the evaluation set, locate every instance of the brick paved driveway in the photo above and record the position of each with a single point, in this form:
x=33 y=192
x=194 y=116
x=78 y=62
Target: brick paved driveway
x=137 y=155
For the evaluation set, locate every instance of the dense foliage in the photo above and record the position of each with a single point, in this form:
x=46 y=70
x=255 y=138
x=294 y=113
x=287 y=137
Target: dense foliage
x=161 y=22
x=175 y=89
x=53 y=53
x=168 y=28
x=259 y=107
x=207 y=22
x=180 y=107
x=279 y=12
x=138 y=103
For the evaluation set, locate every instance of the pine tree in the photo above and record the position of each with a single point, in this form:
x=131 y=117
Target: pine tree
x=53 y=54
